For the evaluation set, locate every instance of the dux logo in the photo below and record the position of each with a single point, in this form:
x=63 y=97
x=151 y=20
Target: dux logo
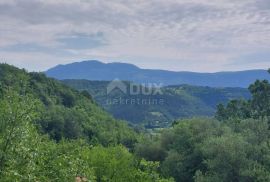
x=134 y=89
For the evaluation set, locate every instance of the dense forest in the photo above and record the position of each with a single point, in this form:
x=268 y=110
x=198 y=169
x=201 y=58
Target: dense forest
x=50 y=132
x=179 y=101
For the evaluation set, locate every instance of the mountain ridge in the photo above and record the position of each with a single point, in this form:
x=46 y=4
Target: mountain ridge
x=96 y=70
x=158 y=69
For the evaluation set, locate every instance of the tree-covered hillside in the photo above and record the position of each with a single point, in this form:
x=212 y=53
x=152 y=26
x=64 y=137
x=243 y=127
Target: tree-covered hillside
x=181 y=101
x=50 y=132
x=65 y=112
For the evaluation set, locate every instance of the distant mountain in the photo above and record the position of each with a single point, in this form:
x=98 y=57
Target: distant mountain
x=181 y=101
x=95 y=70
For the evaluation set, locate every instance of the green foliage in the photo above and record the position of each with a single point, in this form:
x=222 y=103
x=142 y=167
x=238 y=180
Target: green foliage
x=18 y=137
x=208 y=150
x=25 y=155
x=226 y=158
x=150 y=149
x=117 y=164
x=257 y=107
x=235 y=109
x=184 y=158
x=260 y=103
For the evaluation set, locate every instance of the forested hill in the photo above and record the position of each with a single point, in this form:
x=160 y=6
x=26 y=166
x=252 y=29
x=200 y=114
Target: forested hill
x=65 y=112
x=182 y=101
x=50 y=132
x=95 y=70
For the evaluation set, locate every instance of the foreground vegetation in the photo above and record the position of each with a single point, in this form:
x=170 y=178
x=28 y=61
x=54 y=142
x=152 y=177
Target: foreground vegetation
x=27 y=155
x=50 y=132
x=233 y=147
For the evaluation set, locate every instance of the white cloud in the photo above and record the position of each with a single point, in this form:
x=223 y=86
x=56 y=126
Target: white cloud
x=196 y=35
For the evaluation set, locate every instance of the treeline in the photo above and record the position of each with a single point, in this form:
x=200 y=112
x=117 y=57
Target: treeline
x=233 y=147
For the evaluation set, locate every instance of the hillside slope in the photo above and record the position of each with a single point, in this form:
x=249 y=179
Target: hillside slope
x=64 y=112
x=95 y=70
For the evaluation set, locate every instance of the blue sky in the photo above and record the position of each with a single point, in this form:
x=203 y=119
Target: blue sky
x=181 y=35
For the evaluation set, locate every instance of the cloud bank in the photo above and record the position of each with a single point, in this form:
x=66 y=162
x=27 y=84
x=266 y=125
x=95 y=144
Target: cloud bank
x=193 y=35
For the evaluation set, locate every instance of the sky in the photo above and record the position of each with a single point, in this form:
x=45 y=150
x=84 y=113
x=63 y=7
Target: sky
x=179 y=35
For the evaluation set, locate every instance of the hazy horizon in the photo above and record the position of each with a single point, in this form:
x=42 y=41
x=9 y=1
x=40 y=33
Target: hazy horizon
x=153 y=68
x=175 y=35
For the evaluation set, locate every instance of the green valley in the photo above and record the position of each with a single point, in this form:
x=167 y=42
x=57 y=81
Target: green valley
x=159 y=110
